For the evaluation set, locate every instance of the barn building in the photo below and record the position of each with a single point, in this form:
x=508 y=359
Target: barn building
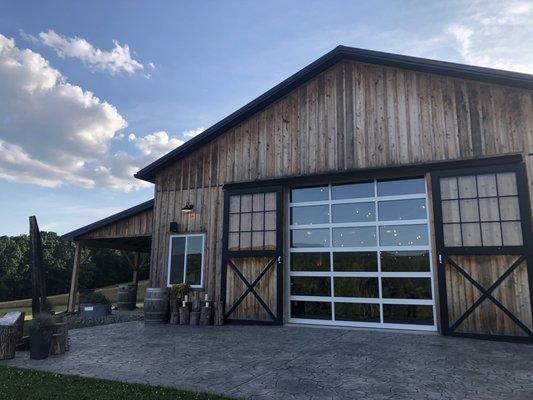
x=366 y=190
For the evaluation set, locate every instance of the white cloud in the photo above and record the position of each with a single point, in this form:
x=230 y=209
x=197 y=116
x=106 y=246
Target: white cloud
x=495 y=34
x=54 y=133
x=193 y=132
x=118 y=59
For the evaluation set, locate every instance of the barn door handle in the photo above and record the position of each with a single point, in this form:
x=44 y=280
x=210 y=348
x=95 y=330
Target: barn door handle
x=279 y=259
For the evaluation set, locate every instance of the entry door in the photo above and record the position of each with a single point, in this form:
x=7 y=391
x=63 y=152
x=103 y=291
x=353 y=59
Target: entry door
x=483 y=239
x=252 y=281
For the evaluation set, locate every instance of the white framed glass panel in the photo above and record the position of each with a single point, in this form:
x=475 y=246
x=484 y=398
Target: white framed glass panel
x=404 y=235
x=353 y=212
x=352 y=191
x=310 y=238
x=362 y=236
x=309 y=215
x=397 y=210
x=186 y=259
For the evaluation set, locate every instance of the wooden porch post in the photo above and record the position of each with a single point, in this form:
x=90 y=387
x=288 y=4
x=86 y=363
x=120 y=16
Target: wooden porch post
x=74 y=280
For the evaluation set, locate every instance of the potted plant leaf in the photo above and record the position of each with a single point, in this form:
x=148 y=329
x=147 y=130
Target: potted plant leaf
x=95 y=305
x=41 y=336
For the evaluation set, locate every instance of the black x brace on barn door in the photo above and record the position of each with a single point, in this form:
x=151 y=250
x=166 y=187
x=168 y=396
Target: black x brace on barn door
x=484 y=249
x=252 y=270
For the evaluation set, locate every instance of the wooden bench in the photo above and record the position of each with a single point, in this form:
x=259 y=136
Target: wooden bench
x=11 y=330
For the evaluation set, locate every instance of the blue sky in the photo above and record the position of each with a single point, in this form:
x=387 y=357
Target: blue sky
x=92 y=91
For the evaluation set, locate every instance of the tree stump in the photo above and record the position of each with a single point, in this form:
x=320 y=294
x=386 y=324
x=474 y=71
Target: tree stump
x=184 y=315
x=59 y=339
x=8 y=341
x=174 y=317
x=195 y=317
x=219 y=313
x=206 y=315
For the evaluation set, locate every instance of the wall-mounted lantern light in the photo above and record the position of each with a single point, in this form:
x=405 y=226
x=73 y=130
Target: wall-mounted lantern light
x=187 y=208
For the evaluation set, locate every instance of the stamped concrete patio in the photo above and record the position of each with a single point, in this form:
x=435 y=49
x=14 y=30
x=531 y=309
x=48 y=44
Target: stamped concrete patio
x=297 y=362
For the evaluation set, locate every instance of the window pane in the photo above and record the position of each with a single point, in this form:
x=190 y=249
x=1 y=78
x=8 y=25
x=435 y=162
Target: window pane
x=310 y=215
x=257 y=240
x=448 y=188
x=177 y=260
x=467 y=186
x=234 y=204
x=509 y=209
x=403 y=235
x=270 y=201
x=246 y=221
x=402 y=209
x=233 y=241
x=310 y=309
x=450 y=211
x=310 y=238
x=512 y=234
x=405 y=261
x=356 y=287
x=488 y=209
x=491 y=234
x=471 y=235
x=270 y=221
x=258 y=202
x=486 y=185
x=357 y=312
x=356 y=212
x=507 y=184
x=194 y=260
x=270 y=240
x=234 y=222
x=352 y=191
x=452 y=235
x=403 y=186
x=363 y=236
x=246 y=203
x=355 y=261
x=310 y=286
x=246 y=241
x=258 y=221
x=469 y=210
x=407 y=314
x=309 y=194
x=310 y=262
x=406 y=288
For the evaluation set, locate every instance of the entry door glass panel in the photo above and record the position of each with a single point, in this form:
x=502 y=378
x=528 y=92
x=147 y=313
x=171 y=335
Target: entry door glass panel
x=360 y=255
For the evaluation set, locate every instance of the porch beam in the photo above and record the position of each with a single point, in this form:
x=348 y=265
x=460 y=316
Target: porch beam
x=74 y=280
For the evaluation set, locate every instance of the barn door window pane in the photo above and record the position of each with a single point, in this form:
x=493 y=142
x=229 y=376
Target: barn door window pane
x=186 y=260
x=481 y=210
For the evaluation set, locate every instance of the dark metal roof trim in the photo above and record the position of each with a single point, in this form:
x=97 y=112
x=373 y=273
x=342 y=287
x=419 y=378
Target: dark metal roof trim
x=71 y=236
x=456 y=70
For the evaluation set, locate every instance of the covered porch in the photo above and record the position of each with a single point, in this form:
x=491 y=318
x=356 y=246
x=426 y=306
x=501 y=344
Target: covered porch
x=129 y=231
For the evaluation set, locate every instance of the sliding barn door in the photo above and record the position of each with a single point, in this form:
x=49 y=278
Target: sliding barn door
x=252 y=281
x=483 y=234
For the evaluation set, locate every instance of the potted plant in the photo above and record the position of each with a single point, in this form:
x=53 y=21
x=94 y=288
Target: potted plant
x=95 y=305
x=41 y=336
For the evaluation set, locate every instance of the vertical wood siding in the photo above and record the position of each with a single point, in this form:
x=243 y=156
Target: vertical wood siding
x=351 y=116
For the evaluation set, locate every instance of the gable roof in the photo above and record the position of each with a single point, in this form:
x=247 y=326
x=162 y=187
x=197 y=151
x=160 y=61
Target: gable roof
x=463 y=71
x=71 y=236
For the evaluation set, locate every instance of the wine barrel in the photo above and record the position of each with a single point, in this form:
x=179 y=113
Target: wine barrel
x=127 y=296
x=156 y=306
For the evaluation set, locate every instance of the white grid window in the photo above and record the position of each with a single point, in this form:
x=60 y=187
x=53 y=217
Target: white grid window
x=186 y=260
x=360 y=255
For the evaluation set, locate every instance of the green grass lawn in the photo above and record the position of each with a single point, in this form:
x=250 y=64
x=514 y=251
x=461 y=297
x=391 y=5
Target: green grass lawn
x=16 y=383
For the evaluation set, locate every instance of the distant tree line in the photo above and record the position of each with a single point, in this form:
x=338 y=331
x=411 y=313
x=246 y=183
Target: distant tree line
x=103 y=267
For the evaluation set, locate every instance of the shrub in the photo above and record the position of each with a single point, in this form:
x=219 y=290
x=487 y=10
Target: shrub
x=43 y=321
x=96 y=298
x=179 y=289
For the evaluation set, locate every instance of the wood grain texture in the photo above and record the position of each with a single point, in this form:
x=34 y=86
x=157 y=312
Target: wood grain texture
x=140 y=224
x=351 y=116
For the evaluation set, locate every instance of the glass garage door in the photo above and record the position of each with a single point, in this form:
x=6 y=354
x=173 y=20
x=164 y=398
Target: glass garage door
x=360 y=255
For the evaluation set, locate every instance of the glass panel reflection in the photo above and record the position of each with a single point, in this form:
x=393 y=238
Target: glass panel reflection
x=406 y=288
x=405 y=261
x=402 y=186
x=355 y=212
x=310 y=262
x=311 y=309
x=355 y=261
x=407 y=314
x=356 y=287
x=403 y=235
x=352 y=191
x=402 y=209
x=310 y=238
x=309 y=194
x=364 y=236
x=310 y=215
x=310 y=286
x=357 y=312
